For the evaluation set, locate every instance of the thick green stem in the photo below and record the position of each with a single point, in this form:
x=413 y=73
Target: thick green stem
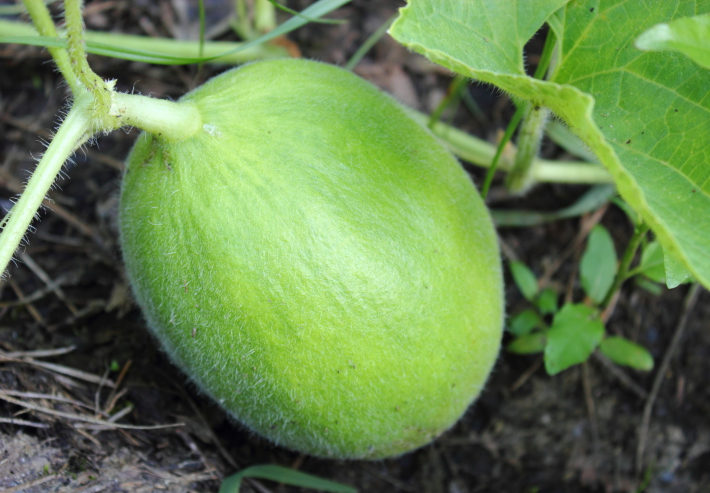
x=534 y=120
x=544 y=171
x=623 y=271
x=165 y=119
x=264 y=16
x=73 y=132
x=43 y=23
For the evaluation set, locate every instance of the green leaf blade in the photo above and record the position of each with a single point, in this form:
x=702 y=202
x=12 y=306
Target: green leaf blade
x=524 y=279
x=653 y=111
x=676 y=272
x=528 y=344
x=524 y=322
x=652 y=262
x=282 y=475
x=547 y=301
x=624 y=352
x=598 y=266
x=687 y=35
x=440 y=27
x=574 y=335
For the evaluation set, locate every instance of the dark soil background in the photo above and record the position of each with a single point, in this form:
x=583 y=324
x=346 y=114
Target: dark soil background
x=577 y=432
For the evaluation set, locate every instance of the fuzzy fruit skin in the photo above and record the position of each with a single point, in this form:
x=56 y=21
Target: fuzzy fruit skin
x=315 y=261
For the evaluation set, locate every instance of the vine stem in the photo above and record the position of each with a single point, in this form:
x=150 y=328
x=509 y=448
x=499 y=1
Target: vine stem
x=43 y=23
x=481 y=153
x=74 y=131
x=623 y=271
x=96 y=108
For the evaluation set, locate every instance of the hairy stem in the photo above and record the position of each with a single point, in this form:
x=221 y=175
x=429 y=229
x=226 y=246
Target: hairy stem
x=75 y=45
x=73 y=132
x=77 y=54
x=164 y=119
x=45 y=26
x=534 y=120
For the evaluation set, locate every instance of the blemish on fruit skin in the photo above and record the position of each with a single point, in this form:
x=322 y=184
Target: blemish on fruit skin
x=212 y=130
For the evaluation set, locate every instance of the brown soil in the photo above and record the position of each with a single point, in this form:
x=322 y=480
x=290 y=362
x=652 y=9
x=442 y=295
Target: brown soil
x=576 y=432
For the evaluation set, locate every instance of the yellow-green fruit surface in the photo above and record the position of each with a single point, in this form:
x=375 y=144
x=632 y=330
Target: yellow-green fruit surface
x=315 y=261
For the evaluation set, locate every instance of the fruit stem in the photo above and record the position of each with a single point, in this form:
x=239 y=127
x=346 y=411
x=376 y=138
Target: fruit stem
x=164 y=119
x=74 y=131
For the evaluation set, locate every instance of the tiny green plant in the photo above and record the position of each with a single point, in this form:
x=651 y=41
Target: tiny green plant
x=576 y=330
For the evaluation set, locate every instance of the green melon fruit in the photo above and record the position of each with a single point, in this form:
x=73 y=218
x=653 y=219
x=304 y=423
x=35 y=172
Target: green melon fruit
x=315 y=261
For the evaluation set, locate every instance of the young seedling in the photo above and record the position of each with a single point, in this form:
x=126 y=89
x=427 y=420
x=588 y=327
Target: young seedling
x=577 y=330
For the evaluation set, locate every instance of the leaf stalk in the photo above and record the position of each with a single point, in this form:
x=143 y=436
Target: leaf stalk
x=622 y=272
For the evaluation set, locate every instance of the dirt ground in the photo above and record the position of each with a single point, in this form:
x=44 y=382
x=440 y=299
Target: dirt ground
x=69 y=329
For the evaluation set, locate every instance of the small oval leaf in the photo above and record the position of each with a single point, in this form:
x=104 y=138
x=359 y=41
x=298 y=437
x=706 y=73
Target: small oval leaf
x=524 y=279
x=524 y=322
x=547 y=302
x=598 y=266
x=528 y=344
x=624 y=352
x=575 y=333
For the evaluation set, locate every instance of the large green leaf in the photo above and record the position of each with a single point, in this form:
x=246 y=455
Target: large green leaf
x=645 y=115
